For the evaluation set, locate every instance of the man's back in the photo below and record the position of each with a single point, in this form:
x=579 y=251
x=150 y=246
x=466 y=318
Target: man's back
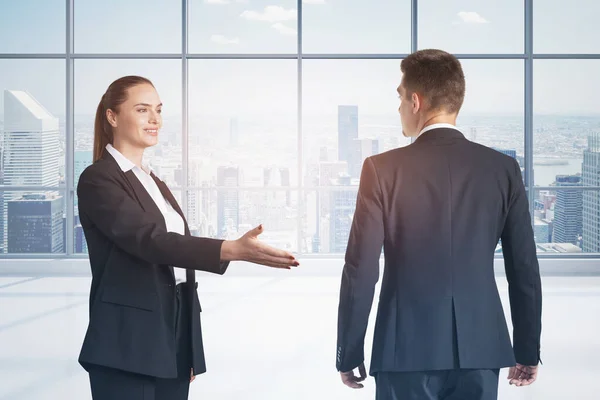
x=445 y=204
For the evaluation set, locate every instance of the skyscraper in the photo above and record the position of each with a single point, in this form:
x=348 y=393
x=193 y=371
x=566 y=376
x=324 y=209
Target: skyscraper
x=567 y=210
x=591 y=198
x=347 y=131
x=31 y=147
x=228 y=203
x=360 y=150
x=81 y=162
x=343 y=203
x=35 y=224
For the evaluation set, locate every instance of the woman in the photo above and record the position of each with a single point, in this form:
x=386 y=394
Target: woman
x=144 y=337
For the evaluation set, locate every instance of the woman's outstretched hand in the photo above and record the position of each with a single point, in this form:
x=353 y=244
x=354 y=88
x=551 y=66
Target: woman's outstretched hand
x=249 y=248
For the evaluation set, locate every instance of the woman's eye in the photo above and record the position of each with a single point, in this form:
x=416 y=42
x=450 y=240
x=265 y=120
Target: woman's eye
x=142 y=110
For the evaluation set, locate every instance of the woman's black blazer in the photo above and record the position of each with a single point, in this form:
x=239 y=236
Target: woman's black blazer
x=132 y=296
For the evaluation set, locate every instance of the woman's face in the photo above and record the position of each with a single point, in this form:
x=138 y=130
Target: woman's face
x=138 y=120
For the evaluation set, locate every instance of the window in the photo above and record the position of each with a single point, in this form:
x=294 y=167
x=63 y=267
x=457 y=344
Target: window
x=226 y=213
x=32 y=26
x=239 y=26
x=493 y=110
x=33 y=221
x=268 y=114
x=567 y=219
x=566 y=155
x=471 y=26
x=569 y=28
x=565 y=116
x=355 y=26
x=349 y=112
x=132 y=26
x=243 y=114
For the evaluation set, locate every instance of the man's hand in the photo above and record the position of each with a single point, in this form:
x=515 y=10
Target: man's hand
x=249 y=248
x=522 y=375
x=192 y=377
x=352 y=380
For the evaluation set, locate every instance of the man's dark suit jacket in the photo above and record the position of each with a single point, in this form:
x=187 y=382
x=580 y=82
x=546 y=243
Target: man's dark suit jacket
x=438 y=207
x=132 y=297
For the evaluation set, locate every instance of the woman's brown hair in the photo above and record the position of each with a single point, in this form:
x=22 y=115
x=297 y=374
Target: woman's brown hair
x=115 y=95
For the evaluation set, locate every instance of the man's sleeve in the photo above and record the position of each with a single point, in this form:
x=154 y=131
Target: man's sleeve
x=523 y=275
x=361 y=270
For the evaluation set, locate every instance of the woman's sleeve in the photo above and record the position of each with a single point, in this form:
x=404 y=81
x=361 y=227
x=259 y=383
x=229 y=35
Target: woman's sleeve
x=123 y=221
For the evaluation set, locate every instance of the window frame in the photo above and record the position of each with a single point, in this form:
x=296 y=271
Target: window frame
x=69 y=57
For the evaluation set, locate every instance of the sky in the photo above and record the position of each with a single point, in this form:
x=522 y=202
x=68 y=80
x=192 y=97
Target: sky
x=261 y=87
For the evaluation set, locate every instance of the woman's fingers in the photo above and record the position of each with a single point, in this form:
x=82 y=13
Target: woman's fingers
x=267 y=259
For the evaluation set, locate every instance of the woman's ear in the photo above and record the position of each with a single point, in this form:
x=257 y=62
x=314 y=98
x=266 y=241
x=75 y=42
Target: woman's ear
x=111 y=117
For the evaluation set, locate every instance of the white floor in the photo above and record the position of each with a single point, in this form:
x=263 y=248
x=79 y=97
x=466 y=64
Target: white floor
x=269 y=335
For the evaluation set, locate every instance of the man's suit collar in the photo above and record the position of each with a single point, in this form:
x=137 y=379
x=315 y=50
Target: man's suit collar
x=439 y=134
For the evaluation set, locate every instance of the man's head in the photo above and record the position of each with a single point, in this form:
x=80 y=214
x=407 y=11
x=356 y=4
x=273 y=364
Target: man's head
x=432 y=89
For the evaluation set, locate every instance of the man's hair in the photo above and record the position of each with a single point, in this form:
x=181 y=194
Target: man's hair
x=437 y=76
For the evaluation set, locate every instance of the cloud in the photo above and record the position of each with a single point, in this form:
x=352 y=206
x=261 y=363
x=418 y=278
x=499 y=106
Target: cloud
x=284 y=29
x=471 y=17
x=220 y=39
x=313 y=1
x=271 y=14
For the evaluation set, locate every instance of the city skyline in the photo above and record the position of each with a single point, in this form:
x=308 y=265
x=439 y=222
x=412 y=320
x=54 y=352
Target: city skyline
x=229 y=212
x=271 y=112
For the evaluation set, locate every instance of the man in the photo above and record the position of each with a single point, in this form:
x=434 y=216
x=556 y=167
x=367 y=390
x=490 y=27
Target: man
x=438 y=207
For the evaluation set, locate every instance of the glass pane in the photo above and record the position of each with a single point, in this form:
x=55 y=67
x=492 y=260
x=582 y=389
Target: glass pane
x=238 y=26
x=349 y=112
x=243 y=114
x=132 y=26
x=328 y=217
x=92 y=78
x=33 y=26
x=568 y=221
x=32 y=222
x=566 y=113
x=353 y=26
x=472 y=26
x=559 y=27
x=32 y=132
x=229 y=213
x=493 y=110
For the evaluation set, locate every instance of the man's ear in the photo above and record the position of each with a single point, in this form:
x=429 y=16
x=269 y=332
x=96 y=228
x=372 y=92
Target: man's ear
x=417 y=104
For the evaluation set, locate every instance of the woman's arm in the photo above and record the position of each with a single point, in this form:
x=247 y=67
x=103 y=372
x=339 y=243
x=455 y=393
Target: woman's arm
x=120 y=218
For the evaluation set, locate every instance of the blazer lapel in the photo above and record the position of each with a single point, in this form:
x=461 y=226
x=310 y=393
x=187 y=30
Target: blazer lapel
x=164 y=189
x=142 y=196
x=171 y=199
x=147 y=203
